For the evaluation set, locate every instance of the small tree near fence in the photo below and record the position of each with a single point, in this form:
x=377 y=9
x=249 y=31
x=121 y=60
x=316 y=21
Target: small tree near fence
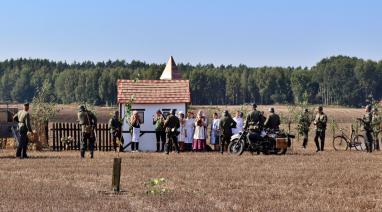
x=43 y=109
x=294 y=114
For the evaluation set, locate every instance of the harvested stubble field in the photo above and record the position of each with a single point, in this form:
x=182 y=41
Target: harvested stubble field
x=299 y=181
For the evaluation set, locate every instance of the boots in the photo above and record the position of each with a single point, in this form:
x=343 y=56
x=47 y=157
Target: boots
x=322 y=144
x=317 y=145
x=304 y=143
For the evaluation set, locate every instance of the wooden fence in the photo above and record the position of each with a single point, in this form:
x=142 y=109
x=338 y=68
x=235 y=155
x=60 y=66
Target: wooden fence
x=60 y=131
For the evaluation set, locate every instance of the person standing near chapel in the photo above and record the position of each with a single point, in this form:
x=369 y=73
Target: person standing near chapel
x=239 y=123
x=190 y=126
x=200 y=133
x=115 y=124
x=158 y=121
x=320 y=122
x=88 y=123
x=303 y=127
x=182 y=131
x=135 y=122
x=24 y=128
x=215 y=132
x=226 y=124
x=171 y=126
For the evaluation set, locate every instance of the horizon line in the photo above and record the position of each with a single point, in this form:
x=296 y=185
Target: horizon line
x=74 y=62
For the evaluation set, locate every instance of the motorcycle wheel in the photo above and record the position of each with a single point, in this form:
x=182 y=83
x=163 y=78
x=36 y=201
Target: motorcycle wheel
x=236 y=147
x=266 y=148
x=281 y=151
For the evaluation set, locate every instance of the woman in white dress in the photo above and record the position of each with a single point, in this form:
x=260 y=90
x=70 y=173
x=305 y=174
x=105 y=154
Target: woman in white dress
x=182 y=131
x=189 y=126
x=215 y=132
x=239 y=123
x=200 y=134
x=136 y=128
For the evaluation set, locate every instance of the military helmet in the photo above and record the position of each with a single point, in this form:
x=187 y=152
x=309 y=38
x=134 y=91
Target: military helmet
x=81 y=108
x=225 y=113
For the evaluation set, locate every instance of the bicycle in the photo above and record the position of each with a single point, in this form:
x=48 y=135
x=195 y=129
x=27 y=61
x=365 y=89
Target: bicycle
x=343 y=142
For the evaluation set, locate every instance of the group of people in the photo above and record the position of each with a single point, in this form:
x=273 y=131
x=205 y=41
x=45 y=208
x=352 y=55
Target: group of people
x=371 y=127
x=178 y=131
x=320 y=122
x=181 y=132
x=193 y=132
x=185 y=133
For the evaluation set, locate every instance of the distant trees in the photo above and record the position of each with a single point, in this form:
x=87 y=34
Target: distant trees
x=336 y=80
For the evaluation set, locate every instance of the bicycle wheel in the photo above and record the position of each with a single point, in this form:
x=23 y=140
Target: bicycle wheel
x=340 y=143
x=359 y=142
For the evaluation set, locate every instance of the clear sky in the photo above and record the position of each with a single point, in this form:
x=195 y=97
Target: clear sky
x=251 y=32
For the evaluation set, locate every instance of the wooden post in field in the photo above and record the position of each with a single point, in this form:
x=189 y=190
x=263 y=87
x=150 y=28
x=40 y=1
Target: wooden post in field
x=116 y=174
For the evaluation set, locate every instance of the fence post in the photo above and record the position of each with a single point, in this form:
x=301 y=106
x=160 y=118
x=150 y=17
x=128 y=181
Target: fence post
x=108 y=143
x=60 y=134
x=79 y=136
x=57 y=139
x=104 y=138
x=71 y=135
x=54 y=139
x=116 y=174
x=99 y=137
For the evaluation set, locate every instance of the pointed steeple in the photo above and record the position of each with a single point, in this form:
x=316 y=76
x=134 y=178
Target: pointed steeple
x=171 y=72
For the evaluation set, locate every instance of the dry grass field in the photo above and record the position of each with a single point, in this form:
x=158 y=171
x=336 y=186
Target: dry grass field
x=299 y=181
x=302 y=180
x=68 y=113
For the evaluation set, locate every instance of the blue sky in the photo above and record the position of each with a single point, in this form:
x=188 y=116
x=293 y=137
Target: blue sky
x=255 y=33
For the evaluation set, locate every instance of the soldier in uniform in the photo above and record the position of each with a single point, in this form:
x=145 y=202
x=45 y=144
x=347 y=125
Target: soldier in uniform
x=320 y=122
x=24 y=128
x=225 y=125
x=172 y=125
x=115 y=124
x=88 y=122
x=303 y=126
x=273 y=120
x=368 y=129
x=158 y=121
x=376 y=124
x=254 y=118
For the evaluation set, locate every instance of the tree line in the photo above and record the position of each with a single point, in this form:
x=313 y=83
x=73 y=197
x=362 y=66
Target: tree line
x=338 y=80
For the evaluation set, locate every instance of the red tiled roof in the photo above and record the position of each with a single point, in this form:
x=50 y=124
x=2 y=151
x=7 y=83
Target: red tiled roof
x=154 y=91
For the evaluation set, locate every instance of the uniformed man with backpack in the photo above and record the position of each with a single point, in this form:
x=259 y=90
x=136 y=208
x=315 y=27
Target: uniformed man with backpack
x=225 y=125
x=24 y=128
x=88 y=123
x=171 y=126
